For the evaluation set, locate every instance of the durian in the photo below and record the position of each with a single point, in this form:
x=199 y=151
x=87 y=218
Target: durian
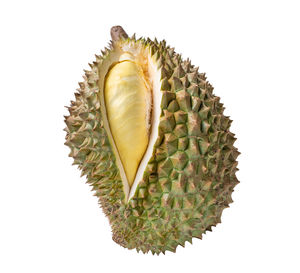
x=150 y=136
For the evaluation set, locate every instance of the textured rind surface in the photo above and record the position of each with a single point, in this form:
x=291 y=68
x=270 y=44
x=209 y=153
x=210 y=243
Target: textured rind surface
x=191 y=174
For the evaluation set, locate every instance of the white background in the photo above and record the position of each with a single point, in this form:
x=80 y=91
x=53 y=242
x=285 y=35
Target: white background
x=50 y=220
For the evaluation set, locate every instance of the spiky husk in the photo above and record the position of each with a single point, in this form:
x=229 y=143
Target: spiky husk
x=191 y=174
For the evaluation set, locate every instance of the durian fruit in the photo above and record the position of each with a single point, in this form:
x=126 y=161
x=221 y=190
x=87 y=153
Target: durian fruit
x=152 y=140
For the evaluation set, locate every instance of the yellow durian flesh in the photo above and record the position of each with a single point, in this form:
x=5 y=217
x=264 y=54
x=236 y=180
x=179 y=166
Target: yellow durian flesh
x=127 y=100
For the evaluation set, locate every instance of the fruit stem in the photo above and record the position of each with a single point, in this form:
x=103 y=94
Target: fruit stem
x=117 y=33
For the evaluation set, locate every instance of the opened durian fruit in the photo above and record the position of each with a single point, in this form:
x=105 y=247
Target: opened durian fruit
x=153 y=142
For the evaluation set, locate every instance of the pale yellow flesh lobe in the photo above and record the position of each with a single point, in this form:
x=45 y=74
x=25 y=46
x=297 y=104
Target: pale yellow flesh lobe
x=126 y=94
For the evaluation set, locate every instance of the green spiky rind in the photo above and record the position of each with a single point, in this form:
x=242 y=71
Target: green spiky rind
x=191 y=174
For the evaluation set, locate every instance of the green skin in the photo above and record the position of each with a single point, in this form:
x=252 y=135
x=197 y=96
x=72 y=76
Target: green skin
x=191 y=174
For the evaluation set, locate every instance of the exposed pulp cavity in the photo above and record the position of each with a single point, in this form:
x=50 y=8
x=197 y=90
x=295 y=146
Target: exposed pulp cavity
x=128 y=105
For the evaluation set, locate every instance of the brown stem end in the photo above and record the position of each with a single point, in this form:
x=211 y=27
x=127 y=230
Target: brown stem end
x=117 y=33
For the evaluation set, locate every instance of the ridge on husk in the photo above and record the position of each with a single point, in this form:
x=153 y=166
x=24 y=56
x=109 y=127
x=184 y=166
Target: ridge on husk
x=190 y=175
